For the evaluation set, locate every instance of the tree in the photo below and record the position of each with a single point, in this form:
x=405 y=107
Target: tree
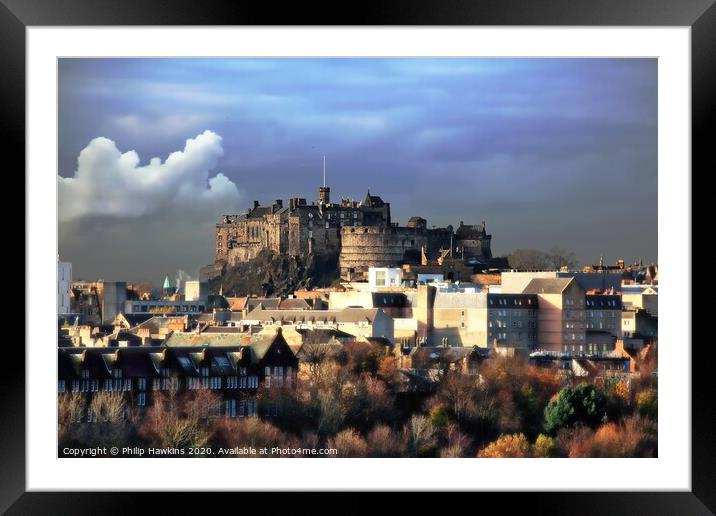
x=544 y=447
x=420 y=436
x=383 y=442
x=559 y=257
x=349 y=443
x=166 y=426
x=584 y=404
x=529 y=260
x=507 y=446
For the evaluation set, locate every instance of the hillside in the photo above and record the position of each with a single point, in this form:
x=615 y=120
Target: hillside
x=271 y=274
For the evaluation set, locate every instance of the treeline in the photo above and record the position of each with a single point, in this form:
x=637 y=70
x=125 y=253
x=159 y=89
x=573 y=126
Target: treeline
x=507 y=409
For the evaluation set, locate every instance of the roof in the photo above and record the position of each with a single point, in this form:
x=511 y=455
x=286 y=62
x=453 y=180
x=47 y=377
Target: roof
x=260 y=211
x=372 y=201
x=547 y=285
x=428 y=354
x=236 y=304
x=222 y=329
x=155 y=323
x=135 y=319
x=459 y=300
x=294 y=304
x=322 y=334
x=346 y=315
x=270 y=303
x=204 y=339
x=512 y=300
x=603 y=301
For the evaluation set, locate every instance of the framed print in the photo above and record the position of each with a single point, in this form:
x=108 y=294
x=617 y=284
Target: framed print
x=418 y=250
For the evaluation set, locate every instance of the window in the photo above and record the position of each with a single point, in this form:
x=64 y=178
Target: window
x=232 y=382
x=204 y=377
x=142 y=384
x=380 y=278
x=230 y=408
x=107 y=385
x=267 y=377
x=142 y=399
x=251 y=408
x=192 y=383
x=60 y=386
x=215 y=382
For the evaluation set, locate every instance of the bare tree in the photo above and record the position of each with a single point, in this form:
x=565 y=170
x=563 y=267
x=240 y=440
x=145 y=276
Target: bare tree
x=420 y=436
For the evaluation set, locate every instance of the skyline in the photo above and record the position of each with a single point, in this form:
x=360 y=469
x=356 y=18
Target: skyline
x=546 y=151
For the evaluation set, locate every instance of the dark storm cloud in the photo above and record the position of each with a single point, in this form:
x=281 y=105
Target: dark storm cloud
x=547 y=151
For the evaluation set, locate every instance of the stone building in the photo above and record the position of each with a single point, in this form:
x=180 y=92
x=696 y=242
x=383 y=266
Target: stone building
x=361 y=232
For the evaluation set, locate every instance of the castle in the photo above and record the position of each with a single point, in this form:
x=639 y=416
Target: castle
x=361 y=233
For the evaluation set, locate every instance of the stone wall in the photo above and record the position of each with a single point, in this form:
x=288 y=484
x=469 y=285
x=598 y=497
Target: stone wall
x=365 y=247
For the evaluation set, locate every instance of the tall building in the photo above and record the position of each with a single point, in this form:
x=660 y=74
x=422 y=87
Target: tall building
x=64 y=282
x=561 y=319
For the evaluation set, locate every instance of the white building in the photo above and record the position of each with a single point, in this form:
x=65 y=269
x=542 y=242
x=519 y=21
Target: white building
x=195 y=290
x=384 y=277
x=64 y=280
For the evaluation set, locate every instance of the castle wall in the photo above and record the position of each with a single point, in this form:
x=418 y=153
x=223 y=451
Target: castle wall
x=365 y=247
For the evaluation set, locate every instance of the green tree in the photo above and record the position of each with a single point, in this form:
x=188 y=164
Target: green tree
x=584 y=404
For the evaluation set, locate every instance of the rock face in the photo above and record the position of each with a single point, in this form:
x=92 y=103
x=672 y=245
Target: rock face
x=273 y=274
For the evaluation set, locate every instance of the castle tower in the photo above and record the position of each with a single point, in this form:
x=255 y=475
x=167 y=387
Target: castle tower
x=324 y=192
x=324 y=195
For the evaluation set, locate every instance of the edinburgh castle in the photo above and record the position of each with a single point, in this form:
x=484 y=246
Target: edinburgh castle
x=360 y=233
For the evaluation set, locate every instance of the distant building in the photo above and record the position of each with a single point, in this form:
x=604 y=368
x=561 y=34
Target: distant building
x=361 y=233
x=385 y=277
x=641 y=296
x=639 y=323
x=604 y=324
x=64 y=282
x=358 y=322
x=561 y=317
x=195 y=290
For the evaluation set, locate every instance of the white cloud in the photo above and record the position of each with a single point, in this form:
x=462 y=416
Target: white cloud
x=111 y=183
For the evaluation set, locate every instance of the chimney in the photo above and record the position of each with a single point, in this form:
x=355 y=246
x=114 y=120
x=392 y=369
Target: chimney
x=279 y=203
x=256 y=204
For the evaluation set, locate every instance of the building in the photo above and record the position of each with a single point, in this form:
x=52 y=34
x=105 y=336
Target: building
x=195 y=290
x=603 y=319
x=514 y=282
x=64 y=282
x=385 y=277
x=468 y=318
x=359 y=322
x=637 y=323
x=362 y=233
x=98 y=302
x=163 y=306
x=235 y=373
x=641 y=296
x=561 y=320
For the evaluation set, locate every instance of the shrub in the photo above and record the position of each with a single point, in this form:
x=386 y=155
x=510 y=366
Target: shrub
x=349 y=443
x=584 y=404
x=507 y=445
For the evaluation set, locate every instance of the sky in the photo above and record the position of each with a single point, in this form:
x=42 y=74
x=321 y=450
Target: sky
x=546 y=151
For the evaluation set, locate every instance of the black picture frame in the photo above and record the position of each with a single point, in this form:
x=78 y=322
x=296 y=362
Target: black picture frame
x=700 y=15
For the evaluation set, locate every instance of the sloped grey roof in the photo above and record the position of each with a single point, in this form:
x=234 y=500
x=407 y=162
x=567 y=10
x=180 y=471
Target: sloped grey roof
x=547 y=285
